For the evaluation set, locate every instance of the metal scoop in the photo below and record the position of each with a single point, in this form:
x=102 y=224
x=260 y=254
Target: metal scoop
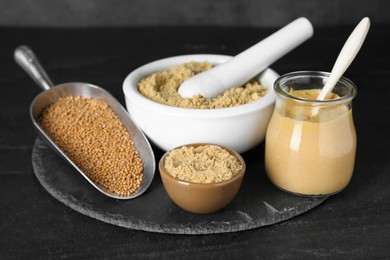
x=51 y=94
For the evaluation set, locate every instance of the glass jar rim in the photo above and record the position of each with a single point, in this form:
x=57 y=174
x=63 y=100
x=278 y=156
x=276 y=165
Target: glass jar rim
x=351 y=93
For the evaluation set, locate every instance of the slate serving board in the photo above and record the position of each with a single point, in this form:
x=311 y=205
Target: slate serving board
x=257 y=204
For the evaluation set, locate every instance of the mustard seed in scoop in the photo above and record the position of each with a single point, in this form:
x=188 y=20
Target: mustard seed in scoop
x=90 y=133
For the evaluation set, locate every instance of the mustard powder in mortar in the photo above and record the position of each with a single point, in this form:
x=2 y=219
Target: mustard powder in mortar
x=162 y=87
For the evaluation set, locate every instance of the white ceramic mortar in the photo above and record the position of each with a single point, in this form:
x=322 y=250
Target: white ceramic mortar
x=239 y=128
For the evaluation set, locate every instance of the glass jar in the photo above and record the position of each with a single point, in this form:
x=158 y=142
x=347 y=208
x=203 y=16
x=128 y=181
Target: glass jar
x=311 y=144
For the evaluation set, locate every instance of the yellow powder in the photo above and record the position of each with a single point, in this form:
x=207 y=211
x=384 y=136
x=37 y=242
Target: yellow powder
x=162 y=87
x=202 y=164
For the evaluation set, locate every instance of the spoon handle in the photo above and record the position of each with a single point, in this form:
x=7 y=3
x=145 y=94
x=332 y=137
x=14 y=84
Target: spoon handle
x=346 y=56
x=26 y=59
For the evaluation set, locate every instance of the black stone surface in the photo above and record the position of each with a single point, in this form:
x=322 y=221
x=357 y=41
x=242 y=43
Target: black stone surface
x=257 y=204
x=354 y=224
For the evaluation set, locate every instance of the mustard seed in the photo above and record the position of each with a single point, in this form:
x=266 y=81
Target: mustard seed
x=94 y=138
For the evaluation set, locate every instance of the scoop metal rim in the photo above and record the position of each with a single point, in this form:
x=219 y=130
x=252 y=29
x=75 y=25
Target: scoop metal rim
x=26 y=59
x=48 y=140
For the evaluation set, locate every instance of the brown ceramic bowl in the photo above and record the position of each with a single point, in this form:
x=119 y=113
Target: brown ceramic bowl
x=202 y=198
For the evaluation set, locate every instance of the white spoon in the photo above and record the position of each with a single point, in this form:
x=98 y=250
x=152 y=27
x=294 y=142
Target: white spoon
x=238 y=70
x=346 y=56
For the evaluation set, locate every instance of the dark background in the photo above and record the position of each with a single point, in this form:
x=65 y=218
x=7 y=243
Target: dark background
x=85 y=13
x=68 y=38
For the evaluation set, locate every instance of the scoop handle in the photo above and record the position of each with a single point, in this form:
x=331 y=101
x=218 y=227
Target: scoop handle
x=26 y=59
x=249 y=63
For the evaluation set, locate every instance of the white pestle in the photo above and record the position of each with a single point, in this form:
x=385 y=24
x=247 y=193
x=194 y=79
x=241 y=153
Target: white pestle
x=346 y=56
x=241 y=68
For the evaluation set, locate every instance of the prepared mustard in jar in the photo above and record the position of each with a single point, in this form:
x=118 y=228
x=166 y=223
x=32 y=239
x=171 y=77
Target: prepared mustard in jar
x=311 y=144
